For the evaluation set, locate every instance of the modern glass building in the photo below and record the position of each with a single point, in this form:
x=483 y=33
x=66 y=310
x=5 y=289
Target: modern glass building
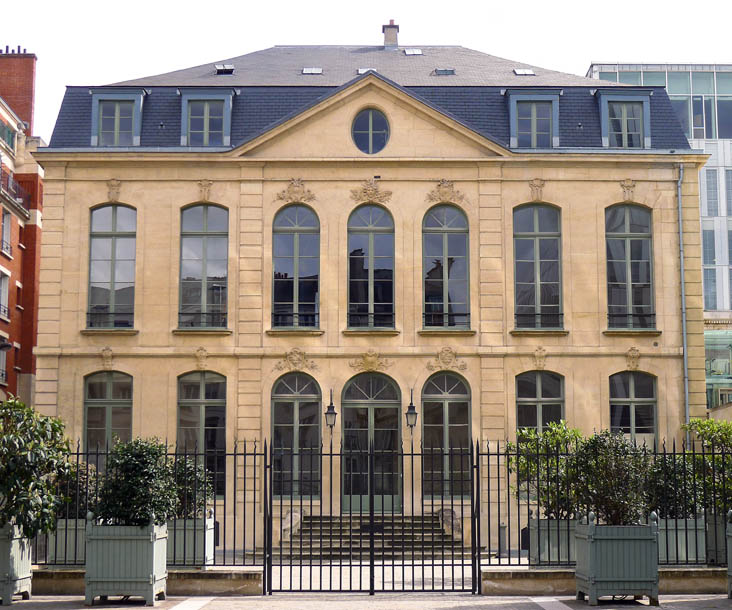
x=701 y=94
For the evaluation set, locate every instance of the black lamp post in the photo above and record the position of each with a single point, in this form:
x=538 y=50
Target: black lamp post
x=330 y=414
x=411 y=413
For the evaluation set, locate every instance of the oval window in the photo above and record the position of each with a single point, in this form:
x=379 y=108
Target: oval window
x=370 y=131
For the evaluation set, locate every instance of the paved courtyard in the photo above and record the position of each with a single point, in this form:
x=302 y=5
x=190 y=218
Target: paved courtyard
x=384 y=601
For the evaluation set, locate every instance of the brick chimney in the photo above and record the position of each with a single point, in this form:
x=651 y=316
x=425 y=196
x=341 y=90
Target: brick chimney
x=18 y=82
x=391 y=32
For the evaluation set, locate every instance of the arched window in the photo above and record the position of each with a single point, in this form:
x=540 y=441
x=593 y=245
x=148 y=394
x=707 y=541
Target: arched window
x=112 y=267
x=203 y=266
x=446 y=435
x=539 y=399
x=633 y=406
x=370 y=268
x=296 y=407
x=107 y=409
x=537 y=260
x=202 y=421
x=445 y=268
x=629 y=267
x=296 y=264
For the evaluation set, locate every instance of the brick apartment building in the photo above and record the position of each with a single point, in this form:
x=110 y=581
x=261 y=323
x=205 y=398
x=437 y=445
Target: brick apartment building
x=21 y=196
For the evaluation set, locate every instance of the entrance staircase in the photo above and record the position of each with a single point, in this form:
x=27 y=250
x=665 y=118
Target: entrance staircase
x=396 y=537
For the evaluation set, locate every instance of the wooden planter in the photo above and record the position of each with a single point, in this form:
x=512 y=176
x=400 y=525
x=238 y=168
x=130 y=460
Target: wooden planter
x=67 y=545
x=126 y=560
x=191 y=542
x=617 y=560
x=15 y=564
x=716 y=527
x=682 y=540
x=551 y=541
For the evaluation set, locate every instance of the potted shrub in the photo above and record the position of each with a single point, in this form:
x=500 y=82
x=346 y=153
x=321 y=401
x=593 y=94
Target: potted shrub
x=126 y=539
x=545 y=473
x=675 y=494
x=191 y=532
x=67 y=544
x=33 y=453
x=713 y=467
x=616 y=553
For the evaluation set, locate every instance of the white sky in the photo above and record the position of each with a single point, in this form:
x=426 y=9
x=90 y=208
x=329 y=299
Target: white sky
x=84 y=42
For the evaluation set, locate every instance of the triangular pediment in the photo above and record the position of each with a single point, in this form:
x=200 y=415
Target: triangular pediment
x=417 y=129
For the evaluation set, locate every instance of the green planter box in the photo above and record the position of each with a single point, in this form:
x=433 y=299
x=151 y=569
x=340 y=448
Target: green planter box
x=551 y=541
x=191 y=542
x=616 y=560
x=126 y=560
x=729 y=554
x=682 y=540
x=67 y=545
x=15 y=564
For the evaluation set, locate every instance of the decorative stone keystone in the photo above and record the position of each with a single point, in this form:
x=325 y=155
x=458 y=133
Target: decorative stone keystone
x=295 y=360
x=296 y=193
x=632 y=356
x=370 y=193
x=539 y=358
x=628 y=187
x=107 y=358
x=370 y=361
x=537 y=189
x=446 y=359
x=113 y=187
x=445 y=192
x=201 y=356
x=204 y=187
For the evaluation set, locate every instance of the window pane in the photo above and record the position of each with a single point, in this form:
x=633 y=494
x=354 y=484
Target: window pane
x=724 y=117
x=192 y=218
x=101 y=219
x=551 y=385
x=654 y=79
x=629 y=78
x=551 y=413
x=702 y=82
x=643 y=386
x=526 y=416
x=620 y=386
x=678 y=82
x=620 y=418
x=523 y=220
x=724 y=82
x=682 y=109
x=526 y=385
x=96 y=417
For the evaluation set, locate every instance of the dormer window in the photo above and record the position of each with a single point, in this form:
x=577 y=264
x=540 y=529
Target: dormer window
x=625 y=117
x=116 y=117
x=534 y=117
x=206 y=119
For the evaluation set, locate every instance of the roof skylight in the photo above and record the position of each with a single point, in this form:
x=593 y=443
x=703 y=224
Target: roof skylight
x=413 y=51
x=312 y=70
x=523 y=72
x=364 y=70
x=444 y=71
x=224 y=68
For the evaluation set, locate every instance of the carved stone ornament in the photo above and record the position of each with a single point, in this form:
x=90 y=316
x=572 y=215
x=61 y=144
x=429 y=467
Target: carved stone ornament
x=632 y=356
x=295 y=360
x=370 y=361
x=370 y=193
x=201 y=355
x=447 y=358
x=113 y=187
x=539 y=358
x=296 y=193
x=204 y=187
x=445 y=192
x=107 y=358
x=628 y=187
x=537 y=189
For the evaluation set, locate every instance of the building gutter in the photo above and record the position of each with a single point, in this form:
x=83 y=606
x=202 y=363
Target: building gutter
x=683 y=300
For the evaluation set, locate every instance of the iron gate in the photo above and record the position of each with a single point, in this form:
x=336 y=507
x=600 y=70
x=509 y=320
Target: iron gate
x=373 y=519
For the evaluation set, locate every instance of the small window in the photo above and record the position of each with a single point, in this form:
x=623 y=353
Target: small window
x=108 y=409
x=539 y=400
x=312 y=70
x=633 y=406
x=534 y=128
x=523 y=72
x=206 y=123
x=444 y=71
x=413 y=51
x=370 y=131
x=115 y=123
x=364 y=70
x=4 y=295
x=7 y=226
x=626 y=124
x=224 y=68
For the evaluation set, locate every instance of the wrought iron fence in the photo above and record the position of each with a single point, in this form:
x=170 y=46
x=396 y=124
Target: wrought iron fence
x=398 y=518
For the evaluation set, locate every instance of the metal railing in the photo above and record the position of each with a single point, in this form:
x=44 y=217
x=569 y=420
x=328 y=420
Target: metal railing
x=4 y=311
x=641 y=321
x=295 y=320
x=199 y=319
x=110 y=319
x=10 y=187
x=6 y=247
x=446 y=320
x=539 y=320
x=371 y=320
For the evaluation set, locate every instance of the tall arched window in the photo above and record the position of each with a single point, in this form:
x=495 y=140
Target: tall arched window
x=202 y=421
x=539 y=399
x=296 y=410
x=537 y=259
x=112 y=267
x=107 y=409
x=203 y=266
x=296 y=264
x=445 y=268
x=629 y=268
x=370 y=268
x=633 y=406
x=446 y=435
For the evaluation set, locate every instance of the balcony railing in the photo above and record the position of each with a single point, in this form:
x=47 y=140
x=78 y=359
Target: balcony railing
x=199 y=319
x=106 y=319
x=295 y=320
x=371 y=320
x=6 y=247
x=446 y=320
x=3 y=376
x=539 y=320
x=624 y=321
x=10 y=188
x=4 y=311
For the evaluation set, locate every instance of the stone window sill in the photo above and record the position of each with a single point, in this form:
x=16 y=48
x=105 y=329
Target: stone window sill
x=371 y=332
x=110 y=331
x=294 y=332
x=214 y=332
x=539 y=332
x=632 y=332
x=446 y=332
